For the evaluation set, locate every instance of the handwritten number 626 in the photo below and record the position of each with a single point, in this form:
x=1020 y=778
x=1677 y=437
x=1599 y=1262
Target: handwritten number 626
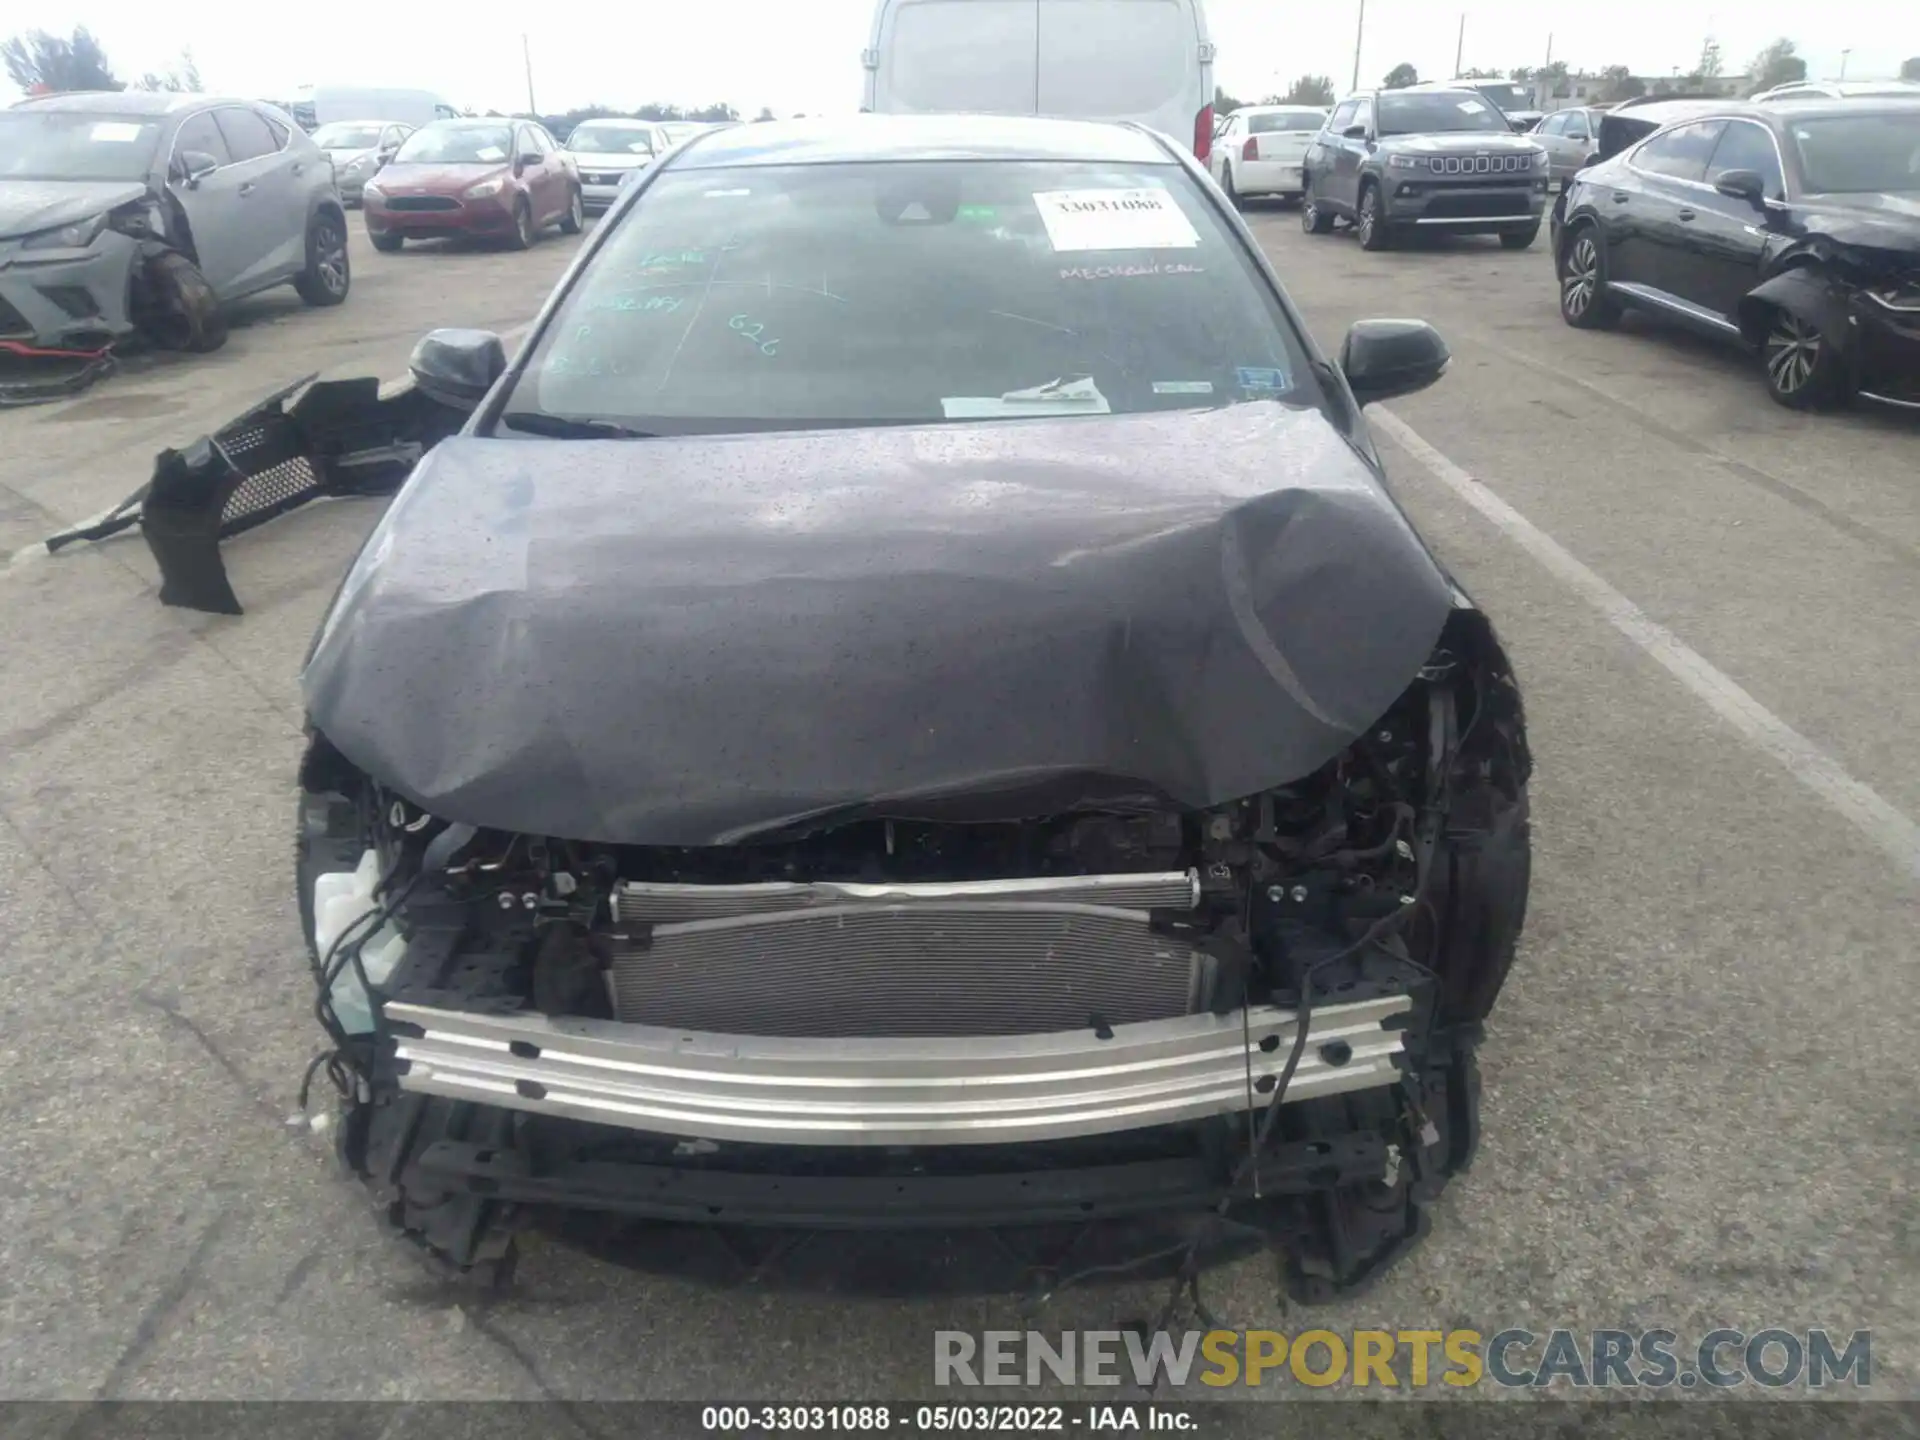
x=751 y=330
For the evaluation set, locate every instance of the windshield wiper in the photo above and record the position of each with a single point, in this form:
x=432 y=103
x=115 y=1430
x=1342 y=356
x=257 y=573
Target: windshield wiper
x=561 y=427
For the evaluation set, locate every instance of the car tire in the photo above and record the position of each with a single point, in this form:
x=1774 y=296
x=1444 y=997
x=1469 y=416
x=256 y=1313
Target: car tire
x=386 y=241
x=328 y=275
x=576 y=217
x=1804 y=371
x=1229 y=189
x=1374 y=232
x=183 y=311
x=524 y=233
x=1585 y=301
x=1313 y=219
x=1519 y=239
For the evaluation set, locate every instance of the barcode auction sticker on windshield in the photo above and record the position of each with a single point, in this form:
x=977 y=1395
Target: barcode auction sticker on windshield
x=1148 y=219
x=116 y=132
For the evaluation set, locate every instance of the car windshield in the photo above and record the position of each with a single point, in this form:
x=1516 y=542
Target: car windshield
x=1434 y=111
x=347 y=136
x=610 y=140
x=1860 y=154
x=1272 y=120
x=777 y=297
x=457 y=145
x=1507 y=97
x=66 y=145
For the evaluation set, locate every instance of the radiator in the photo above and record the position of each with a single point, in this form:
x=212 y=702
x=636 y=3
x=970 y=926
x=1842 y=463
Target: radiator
x=831 y=960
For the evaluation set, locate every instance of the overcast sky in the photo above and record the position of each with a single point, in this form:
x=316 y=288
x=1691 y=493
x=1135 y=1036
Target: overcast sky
x=803 y=55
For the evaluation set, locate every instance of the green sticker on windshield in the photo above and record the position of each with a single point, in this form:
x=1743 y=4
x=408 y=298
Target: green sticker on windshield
x=985 y=213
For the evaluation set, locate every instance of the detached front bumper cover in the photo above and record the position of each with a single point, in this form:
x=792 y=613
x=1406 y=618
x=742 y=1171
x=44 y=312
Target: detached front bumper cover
x=841 y=1092
x=338 y=438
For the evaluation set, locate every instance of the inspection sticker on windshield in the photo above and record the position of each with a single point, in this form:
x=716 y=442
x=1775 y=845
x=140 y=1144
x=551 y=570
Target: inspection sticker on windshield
x=491 y=152
x=1147 y=219
x=1472 y=107
x=117 y=131
x=1262 y=380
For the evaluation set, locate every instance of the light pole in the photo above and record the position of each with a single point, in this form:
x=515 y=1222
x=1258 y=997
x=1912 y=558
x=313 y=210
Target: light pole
x=1359 y=29
x=526 y=55
x=1843 y=63
x=1460 y=45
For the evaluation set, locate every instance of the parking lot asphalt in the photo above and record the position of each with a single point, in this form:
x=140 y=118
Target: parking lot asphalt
x=1699 y=1105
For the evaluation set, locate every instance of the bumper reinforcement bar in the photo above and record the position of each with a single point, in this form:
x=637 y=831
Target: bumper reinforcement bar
x=939 y=1091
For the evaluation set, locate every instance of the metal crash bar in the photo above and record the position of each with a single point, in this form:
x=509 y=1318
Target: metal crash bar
x=920 y=1091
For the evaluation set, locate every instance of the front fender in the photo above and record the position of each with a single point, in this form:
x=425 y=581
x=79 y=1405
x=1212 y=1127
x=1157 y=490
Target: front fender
x=1806 y=291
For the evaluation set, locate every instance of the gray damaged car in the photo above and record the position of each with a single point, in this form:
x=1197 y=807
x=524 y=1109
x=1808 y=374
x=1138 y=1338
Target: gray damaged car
x=126 y=213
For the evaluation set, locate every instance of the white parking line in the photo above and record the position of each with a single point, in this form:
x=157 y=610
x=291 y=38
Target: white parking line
x=1884 y=824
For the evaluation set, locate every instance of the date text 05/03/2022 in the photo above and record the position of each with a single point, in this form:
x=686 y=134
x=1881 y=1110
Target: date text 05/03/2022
x=938 y=1419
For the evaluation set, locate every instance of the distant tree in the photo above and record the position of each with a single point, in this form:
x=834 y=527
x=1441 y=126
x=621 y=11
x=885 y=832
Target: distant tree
x=1520 y=75
x=1777 y=65
x=1621 y=84
x=1710 y=63
x=1910 y=69
x=714 y=113
x=1556 y=78
x=184 y=78
x=1308 y=90
x=40 y=63
x=764 y=115
x=1479 y=75
x=1401 y=76
x=1225 y=104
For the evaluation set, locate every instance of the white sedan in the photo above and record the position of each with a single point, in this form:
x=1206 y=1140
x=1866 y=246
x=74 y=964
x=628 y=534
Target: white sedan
x=607 y=152
x=1260 y=148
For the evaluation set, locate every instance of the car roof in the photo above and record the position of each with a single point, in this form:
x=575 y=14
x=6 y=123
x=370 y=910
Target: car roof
x=849 y=139
x=125 y=102
x=1815 y=106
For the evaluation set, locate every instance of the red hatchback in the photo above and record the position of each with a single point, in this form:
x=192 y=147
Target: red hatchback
x=504 y=179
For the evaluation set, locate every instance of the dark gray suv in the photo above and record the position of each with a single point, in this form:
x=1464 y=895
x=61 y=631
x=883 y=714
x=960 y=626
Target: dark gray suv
x=1392 y=161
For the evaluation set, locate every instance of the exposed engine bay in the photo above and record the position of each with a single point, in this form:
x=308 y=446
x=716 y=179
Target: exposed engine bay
x=1265 y=1009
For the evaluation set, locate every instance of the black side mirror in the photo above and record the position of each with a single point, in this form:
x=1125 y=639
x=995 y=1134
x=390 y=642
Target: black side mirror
x=1385 y=358
x=195 y=166
x=1743 y=185
x=1355 y=132
x=458 y=367
x=526 y=161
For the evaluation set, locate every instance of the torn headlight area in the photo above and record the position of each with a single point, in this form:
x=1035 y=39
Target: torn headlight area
x=1083 y=1013
x=1902 y=295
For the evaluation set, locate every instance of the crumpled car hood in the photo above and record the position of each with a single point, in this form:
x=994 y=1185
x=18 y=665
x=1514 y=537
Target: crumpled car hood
x=1880 y=222
x=29 y=206
x=699 y=640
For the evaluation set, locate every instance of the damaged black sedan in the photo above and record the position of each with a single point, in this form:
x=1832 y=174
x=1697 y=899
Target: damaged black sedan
x=909 y=704
x=1791 y=227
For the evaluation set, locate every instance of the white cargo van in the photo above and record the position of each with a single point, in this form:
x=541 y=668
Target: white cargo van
x=315 y=105
x=1143 y=60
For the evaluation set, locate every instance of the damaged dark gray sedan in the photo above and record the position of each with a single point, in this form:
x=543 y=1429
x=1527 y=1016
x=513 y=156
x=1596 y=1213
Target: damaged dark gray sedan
x=124 y=211
x=909 y=705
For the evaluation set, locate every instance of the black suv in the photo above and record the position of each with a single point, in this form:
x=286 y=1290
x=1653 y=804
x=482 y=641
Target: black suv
x=1392 y=161
x=1793 y=227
